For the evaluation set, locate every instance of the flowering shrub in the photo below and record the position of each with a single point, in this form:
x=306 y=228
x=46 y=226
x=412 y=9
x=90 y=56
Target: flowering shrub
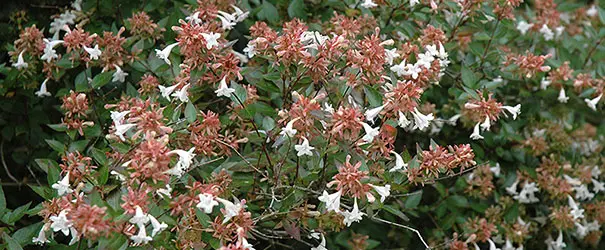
x=315 y=124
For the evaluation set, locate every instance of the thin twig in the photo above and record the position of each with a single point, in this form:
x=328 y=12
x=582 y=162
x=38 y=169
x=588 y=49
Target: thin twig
x=5 y=166
x=489 y=43
x=592 y=51
x=243 y=158
x=402 y=226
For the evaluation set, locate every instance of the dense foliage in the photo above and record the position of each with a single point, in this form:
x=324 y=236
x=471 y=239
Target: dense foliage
x=276 y=124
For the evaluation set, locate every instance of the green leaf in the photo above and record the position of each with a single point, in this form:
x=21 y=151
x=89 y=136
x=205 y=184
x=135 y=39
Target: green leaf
x=103 y=175
x=56 y=145
x=101 y=79
x=268 y=12
x=12 y=244
x=16 y=214
x=457 y=201
x=190 y=112
x=81 y=81
x=374 y=96
x=78 y=146
x=44 y=192
x=58 y=127
x=203 y=218
x=413 y=200
x=52 y=175
x=45 y=164
x=2 y=202
x=395 y=212
x=99 y=156
x=468 y=77
x=297 y=9
x=24 y=235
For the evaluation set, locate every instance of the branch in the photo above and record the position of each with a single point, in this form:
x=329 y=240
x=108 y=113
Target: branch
x=5 y=166
x=402 y=226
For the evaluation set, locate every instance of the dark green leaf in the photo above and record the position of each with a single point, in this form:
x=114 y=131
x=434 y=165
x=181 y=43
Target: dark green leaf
x=297 y=9
x=413 y=200
x=56 y=145
x=101 y=79
x=190 y=112
x=12 y=244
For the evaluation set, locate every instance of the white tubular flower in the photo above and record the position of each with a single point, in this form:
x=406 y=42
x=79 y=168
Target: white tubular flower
x=194 y=18
x=41 y=238
x=402 y=121
x=399 y=163
x=383 y=191
x=20 y=64
x=512 y=190
x=227 y=20
x=304 y=148
x=368 y=4
x=495 y=170
x=122 y=129
x=370 y=132
x=562 y=97
x=49 y=52
x=421 y=121
x=207 y=203
x=527 y=194
x=372 y=113
x=165 y=53
x=544 y=83
x=400 y=69
x=94 y=52
x=75 y=236
x=60 y=223
x=332 y=200
x=182 y=94
x=43 y=91
x=157 y=226
x=476 y=135
x=164 y=192
x=211 y=39
x=239 y=14
x=352 y=216
x=547 y=33
x=141 y=238
x=166 y=91
x=515 y=111
x=231 y=209
x=250 y=50
x=185 y=158
x=592 y=103
x=62 y=186
x=223 y=89
x=443 y=55
x=597 y=186
x=119 y=75
x=390 y=54
x=576 y=212
x=486 y=124
x=414 y=2
x=492 y=245
x=289 y=130
x=582 y=192
x=139 y=217
x=118 y=176
x=322 y=244
x=523 y=27
x=118 y=117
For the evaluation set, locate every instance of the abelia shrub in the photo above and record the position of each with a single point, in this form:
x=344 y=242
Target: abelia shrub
x=353 y=124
